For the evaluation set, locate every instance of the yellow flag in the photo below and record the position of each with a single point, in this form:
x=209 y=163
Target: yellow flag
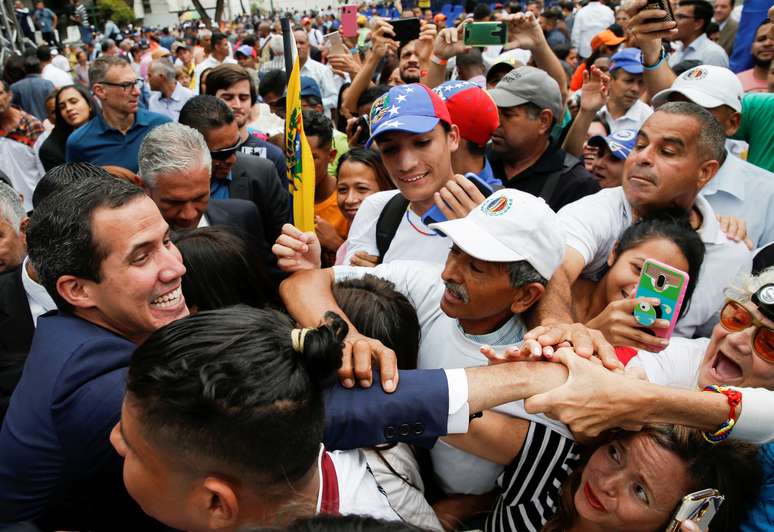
x=297 y=152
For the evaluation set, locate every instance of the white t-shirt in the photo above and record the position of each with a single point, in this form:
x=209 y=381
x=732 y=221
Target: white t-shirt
x=413 y=240
x=444 y=345
x=58 y=77
x=359 y=494
x=594 y=224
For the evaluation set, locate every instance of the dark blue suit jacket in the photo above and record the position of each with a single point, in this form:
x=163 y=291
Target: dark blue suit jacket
x=54 y=443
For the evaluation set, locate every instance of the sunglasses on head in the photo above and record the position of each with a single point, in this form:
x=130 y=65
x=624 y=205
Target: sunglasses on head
x=736 y=317
x=225 y=153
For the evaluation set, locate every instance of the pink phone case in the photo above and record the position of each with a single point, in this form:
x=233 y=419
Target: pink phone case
x=666 y=283
x=349 y=21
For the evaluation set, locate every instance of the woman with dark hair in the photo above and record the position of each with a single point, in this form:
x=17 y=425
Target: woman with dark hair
x=222 y=270
x=608 y=305
x=74 y=107
x=360 y=173
x=223 y=420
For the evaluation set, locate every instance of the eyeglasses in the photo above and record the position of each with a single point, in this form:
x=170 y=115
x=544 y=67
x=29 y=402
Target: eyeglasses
x=225 y=153
x=736 y=317
x=125 y=86
x=682 y=16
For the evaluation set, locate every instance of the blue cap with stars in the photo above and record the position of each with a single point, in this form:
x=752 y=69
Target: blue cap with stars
x=412 y=108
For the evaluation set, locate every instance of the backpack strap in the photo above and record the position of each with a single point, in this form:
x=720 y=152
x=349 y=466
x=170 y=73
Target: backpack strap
x=388 y=222
x=549 y=186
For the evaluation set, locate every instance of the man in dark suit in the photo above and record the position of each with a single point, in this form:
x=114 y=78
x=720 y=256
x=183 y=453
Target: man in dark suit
x=175 y=173
x=16 y=331
x=237 y=175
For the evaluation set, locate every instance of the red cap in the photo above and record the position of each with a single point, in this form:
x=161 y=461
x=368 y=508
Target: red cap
x=471 y=109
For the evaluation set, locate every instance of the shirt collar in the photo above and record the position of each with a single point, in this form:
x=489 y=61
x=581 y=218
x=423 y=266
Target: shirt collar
x=698 y=42
x=727 y=178
x=35 y=291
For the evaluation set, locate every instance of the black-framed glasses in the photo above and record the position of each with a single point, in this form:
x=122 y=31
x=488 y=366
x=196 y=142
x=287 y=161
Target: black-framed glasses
x=225 y=153
x=125 y=86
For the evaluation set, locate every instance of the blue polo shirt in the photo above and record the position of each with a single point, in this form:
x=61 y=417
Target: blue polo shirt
x=96 y=142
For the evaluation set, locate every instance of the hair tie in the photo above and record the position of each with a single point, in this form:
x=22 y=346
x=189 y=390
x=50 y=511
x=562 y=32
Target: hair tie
x=297 y=339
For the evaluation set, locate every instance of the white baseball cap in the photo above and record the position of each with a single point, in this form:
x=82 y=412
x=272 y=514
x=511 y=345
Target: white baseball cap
x=708 y=86
x=509 y=226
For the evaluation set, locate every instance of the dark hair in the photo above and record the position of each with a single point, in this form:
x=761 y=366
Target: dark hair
x=224 y=76
x=731 y=467
x=204 y=113
x=60 y=240
x=684 y=65
x=203 y=80
x=379 y=311
x=702 y=10
x=316 y=124
x=227 y=389
x=216 y=38
x=31 y=64
x=674 y=225
x=13 y=71
x=43 y=53
x=221 y=270
x=342 y=523
x=273 y=81
x=62 y=129
x=481 y=11
x=470 y=59
x=63 y=176
x=373 y=160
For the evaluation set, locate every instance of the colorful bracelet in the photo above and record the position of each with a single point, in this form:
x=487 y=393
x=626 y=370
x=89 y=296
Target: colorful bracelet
x=437 y=60
x=734 y=400
x=661 y=59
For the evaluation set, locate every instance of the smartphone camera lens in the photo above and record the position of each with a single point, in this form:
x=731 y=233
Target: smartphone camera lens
x=660 y=282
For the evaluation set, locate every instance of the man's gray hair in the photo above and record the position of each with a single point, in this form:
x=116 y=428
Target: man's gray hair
x=163 y=67
x=204 y=33
x=712 y=137
x=522 y=272
x=11 y=207
x=99 y=68
x=172 y=148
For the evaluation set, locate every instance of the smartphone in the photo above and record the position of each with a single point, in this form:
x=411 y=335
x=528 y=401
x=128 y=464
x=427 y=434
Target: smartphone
x=661 y=4
x=485 y=33
x=700 y=507
x=365 y=131
x=667 y=284
x=349 y=20
x=435 y=214
x=405 y=29
x=334 y=43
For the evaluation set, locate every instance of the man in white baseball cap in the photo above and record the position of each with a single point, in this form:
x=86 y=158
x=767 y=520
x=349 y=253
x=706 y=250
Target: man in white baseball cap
x=503 y=254
x=737 y=183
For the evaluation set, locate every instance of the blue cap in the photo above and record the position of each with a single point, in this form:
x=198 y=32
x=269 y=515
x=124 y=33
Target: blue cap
x=630 y=59
x=309 y=87
x=412 y=108
x=619 y=143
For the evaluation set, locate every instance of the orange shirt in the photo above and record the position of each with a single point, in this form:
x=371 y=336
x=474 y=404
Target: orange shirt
x=328 y=210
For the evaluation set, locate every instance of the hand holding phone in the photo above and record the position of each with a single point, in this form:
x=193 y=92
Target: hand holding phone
x=700 y=507
x=456 y=200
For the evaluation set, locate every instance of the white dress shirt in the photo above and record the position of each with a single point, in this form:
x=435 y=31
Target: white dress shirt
x=170 y=106
x=590 y=20
x=323 y=75
x=701 y=49
x=634 y=117
x=37 y=296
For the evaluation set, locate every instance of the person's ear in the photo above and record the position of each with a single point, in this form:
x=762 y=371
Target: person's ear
x=526 y=296
x=25 y=223
x=98 y=90
x=332 y=154
x=453 y=138
x=732 y=124
x=76 y=291
x=546 y=118
x=612 y=256
x=221 y=504
x=707 y=171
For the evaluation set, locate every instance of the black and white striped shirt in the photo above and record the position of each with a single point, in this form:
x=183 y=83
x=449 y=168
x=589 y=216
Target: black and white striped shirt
x=530 y=486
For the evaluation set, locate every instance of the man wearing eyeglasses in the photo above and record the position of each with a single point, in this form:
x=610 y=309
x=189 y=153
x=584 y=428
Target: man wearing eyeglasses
x=693 y=17
x=113 y=136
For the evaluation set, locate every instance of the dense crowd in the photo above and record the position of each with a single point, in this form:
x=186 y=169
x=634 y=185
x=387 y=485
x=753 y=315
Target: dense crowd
x=539 y=292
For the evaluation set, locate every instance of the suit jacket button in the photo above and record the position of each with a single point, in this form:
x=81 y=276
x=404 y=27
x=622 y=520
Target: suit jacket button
x=405 y=429
x=419 y=428
x=389 y=433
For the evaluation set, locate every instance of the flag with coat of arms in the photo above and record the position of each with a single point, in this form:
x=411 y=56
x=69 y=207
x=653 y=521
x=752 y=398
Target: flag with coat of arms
x=300 y=162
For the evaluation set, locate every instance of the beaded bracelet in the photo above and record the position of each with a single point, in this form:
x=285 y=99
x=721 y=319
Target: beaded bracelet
x=734 y=399
x=661 y=59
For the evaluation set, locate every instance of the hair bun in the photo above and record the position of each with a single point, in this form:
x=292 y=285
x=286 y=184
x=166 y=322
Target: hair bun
x=323 y=347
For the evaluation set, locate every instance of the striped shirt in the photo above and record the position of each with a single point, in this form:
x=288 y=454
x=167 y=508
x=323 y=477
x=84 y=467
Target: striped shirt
x=81 y=13
x=529 y=487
